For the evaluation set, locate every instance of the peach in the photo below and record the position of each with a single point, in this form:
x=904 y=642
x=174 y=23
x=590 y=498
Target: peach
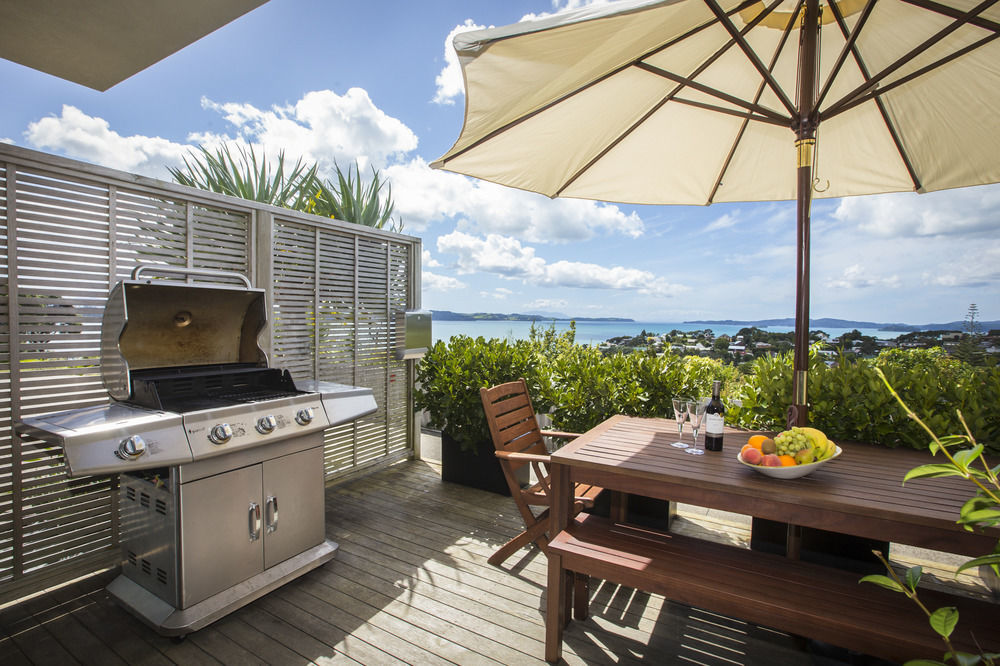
x=771 y=460
x=752 y=456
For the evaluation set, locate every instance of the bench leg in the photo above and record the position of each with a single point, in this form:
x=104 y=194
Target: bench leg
x=555 y=608
x=581 y=596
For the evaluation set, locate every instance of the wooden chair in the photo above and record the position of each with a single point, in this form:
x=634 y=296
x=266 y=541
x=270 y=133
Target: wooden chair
x=518 y=441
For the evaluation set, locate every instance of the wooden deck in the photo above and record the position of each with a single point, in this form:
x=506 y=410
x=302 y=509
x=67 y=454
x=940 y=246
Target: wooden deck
x=410 y=585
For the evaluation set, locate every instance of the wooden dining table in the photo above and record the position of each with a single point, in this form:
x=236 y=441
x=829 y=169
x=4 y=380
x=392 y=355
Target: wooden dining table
x=861 y=492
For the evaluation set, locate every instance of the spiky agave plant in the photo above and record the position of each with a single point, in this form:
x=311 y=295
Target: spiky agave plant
x=353 y=200
x=246 y=176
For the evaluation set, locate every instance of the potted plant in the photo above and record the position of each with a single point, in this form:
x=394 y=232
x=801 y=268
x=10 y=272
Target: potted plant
x=448 y=381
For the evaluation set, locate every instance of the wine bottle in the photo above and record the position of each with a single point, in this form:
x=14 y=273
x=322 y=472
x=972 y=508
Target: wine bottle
x=714 y=419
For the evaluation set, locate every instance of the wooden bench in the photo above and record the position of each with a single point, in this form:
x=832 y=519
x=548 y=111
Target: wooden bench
x=805 y=599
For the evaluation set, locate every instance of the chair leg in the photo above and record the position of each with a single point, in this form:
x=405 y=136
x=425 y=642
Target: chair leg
x=535 y=533
x=581 y=596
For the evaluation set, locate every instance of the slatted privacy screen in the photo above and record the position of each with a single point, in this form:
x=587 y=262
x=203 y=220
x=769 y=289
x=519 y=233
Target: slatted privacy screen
x=70 y=231
x=336 y=295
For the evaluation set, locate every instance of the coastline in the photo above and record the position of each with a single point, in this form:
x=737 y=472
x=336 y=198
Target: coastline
x=594 y=332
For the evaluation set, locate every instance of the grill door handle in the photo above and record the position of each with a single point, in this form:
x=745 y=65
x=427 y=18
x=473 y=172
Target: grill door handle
x=254 y=519
x=271 y=513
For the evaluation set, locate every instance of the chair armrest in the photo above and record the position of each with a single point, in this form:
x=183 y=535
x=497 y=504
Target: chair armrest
x=560 y=434
x=522 y=457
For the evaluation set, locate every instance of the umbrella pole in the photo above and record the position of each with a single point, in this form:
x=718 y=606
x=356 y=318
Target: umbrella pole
x=805 y=143
x=800 y=415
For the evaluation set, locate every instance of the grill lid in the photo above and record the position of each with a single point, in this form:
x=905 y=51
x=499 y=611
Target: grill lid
x=168 y=324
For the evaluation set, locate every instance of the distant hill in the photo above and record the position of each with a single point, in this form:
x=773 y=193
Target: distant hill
x=447 y=315
x=846 y=323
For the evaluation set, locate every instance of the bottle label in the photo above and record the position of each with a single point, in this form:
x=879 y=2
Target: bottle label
x=714 y=424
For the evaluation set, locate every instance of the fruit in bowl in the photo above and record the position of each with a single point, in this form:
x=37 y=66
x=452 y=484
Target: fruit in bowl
x=791 y=454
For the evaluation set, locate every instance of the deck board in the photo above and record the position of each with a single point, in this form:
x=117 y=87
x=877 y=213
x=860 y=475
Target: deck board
x=410 y=585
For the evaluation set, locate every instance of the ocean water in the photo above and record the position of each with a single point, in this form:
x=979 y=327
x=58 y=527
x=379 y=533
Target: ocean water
x=594 y=332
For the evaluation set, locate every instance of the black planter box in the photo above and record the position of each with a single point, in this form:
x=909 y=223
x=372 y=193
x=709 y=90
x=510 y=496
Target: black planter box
x=477 y=469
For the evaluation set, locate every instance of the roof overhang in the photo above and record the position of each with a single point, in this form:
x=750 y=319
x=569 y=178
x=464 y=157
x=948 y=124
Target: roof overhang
x=100 y=44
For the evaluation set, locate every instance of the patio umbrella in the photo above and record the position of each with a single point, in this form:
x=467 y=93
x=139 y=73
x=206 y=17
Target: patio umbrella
x=704 y=101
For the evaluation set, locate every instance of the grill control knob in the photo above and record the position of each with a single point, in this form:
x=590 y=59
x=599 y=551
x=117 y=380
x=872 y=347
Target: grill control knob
x=305 y=416
x=131 y=448
x=266 y=424
x=221 y=433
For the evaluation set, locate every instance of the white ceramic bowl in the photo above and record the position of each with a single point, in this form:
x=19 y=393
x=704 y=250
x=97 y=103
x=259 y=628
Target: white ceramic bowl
x=790 y=472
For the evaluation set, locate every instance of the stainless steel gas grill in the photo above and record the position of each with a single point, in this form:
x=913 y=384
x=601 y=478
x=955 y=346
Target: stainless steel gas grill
x=220 y=456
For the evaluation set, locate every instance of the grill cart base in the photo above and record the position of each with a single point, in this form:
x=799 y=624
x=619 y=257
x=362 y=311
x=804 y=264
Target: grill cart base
x=169 y=621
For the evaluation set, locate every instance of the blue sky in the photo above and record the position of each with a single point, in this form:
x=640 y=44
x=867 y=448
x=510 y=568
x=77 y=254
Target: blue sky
x=333 y=80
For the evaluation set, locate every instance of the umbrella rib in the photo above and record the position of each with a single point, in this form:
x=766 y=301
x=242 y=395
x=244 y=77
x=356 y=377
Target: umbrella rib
x=752 y=56
x=880 y=105
x=876 y=94
x=849 y=47
x=766 y=115
x=746 y=121
x=952 y=12
x=621 y=68
x=688 y=82
x=865 y=90
x=747 y=115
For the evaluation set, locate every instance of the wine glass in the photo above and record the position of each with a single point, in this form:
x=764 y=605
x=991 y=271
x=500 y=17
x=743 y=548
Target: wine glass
x=680 y=413
x=696 y=412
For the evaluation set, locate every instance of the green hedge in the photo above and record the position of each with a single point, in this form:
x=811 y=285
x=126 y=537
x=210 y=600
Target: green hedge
x=580 y=387
x=848 y=401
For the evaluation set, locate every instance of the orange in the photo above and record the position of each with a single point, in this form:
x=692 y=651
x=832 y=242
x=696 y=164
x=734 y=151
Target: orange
x=756 y=440
x=787 y=461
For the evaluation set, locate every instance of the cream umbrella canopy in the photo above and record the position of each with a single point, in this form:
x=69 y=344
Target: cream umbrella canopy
x=705 y=101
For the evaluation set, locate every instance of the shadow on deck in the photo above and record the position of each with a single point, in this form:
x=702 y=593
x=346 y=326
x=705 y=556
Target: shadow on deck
x=410 y=584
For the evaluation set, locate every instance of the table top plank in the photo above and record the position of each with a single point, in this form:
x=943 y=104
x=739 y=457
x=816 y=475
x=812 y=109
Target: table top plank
x=865 y=482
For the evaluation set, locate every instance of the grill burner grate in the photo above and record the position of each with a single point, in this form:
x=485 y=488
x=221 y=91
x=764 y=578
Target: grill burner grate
x=256 y=396
x=188 y=389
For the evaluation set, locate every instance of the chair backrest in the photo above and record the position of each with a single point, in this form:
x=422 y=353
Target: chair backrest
x=512 y=421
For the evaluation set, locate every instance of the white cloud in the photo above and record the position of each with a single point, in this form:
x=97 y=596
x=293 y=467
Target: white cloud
x=978 y=267
x=424 y=195
x=6 y=140
x=449 y=81
x=435 y=282
x=856 y=277
x=505 y=256
x=84 y=137
x=951 y=212
x=323 y=127
x=724 y=222
x=499 y=294
x=497 y=254
x=548 y=304
x=427 y=261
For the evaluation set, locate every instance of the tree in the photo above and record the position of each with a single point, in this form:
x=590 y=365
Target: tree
x=968 y=348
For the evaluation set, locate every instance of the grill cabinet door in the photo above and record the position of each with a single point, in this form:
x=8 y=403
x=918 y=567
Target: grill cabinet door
x=294 y=485
x=216 y=549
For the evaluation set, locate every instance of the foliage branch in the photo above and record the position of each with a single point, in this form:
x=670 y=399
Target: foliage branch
x=963 y=458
